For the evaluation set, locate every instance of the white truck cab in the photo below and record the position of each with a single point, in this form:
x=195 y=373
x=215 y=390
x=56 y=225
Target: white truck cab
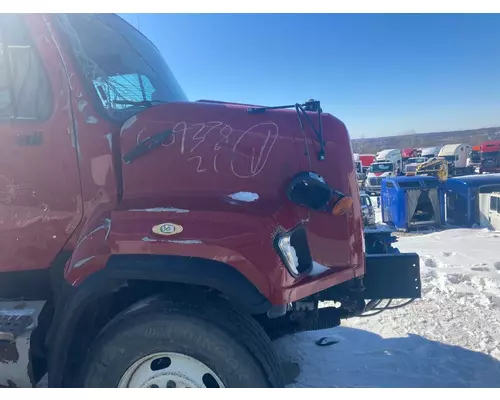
x=387 y=163
x=430 y=152
x=412 y=164
x=456 y=155
x=489 y=210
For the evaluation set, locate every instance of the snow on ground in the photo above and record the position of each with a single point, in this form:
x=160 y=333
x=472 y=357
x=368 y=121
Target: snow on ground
x=449 y=338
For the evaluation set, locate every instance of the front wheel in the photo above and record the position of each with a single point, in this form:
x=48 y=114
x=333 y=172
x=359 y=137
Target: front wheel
x=169 y=344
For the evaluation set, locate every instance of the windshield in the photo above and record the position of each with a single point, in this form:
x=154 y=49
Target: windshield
x=416 y=160
x=382 y=167
x=450 y=158
x=475 y=155
x=121 y=64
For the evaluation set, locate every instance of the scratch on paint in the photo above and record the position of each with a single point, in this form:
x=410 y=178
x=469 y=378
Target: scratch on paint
x=148 y=239
x=106 y=225
x=76 y=143
x=128 y=123
x=81 y=105
x=108 y=222
x=151 y=240
x=109 y=136
x=91 y=120
x=185 y=241
x=160 y=209
x=81 y=262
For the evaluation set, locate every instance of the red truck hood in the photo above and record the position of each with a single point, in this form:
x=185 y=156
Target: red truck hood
x=221 y=162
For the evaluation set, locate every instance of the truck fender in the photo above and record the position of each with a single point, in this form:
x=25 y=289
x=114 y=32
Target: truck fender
x=120 y=269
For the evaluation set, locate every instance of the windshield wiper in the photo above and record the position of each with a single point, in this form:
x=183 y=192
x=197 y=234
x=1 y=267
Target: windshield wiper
x=301 y=109
x=146 y=146
x=142 y=103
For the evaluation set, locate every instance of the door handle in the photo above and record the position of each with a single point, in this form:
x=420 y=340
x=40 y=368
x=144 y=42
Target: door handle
x=29 y=139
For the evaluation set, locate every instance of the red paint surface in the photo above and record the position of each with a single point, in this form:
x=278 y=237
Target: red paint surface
x=367 y=159
x=409 y=152
x=490 y=147
x=217 y=149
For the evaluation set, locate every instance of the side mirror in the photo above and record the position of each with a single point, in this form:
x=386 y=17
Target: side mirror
x=310 y=190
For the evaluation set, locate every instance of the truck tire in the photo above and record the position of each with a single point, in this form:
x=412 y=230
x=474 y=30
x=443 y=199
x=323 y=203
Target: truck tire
x=169 y=343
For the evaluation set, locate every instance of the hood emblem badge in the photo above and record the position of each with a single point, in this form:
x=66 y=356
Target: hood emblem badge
x=167 y=229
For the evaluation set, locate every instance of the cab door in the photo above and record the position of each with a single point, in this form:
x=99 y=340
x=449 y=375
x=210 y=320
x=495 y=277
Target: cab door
x=40 y=199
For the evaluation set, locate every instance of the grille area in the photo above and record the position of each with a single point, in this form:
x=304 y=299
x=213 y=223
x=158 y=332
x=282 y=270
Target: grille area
x=375 y=181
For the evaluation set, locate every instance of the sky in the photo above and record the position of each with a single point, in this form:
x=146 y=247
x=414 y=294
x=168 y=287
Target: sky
x=382 y=74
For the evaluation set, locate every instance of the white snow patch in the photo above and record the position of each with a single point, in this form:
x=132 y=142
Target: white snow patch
x=294 y=255
x=161 y=209
x=449 y=338
x=318 y=269
x=246 y=197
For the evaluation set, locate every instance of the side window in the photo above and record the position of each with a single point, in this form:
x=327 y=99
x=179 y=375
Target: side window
x=25 y=91
x=493 y=203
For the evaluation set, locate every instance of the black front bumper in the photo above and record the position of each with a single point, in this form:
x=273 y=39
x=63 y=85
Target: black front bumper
x=387 y=276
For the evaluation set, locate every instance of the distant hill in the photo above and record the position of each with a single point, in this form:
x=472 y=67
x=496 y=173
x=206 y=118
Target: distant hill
x=416 y=140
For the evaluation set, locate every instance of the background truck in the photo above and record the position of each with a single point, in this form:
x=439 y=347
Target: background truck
x=475 y=156
x=150 y=241
x=408 y=153
x=363 y=161
x=387 y=163
x=430 y=152
x=456 y=156
x=411 y=165
x=490 y=157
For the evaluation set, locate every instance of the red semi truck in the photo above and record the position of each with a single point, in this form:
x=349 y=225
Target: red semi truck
x=408 y=153
x=490 y=157
x=150 y=241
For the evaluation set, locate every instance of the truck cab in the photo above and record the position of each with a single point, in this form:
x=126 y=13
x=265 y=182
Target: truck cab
x=408 y=153
x=142 y=232
x=490 y=157
x=387 y=163
x=430 y=152
x=456 y=156
x=474 y=159
x=410 y=168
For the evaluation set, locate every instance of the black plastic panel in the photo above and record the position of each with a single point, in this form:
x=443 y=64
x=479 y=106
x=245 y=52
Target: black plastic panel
x=392 y=276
